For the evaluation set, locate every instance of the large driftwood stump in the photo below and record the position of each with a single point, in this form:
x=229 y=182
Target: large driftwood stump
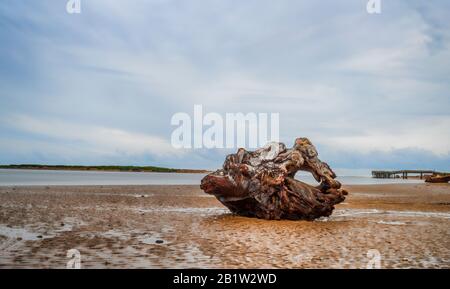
x=261 y=183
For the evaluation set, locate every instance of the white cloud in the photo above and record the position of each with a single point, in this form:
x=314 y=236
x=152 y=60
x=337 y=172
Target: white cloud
x=98 y=139
x=333 y=72
x=404 y=43
x=430 y=134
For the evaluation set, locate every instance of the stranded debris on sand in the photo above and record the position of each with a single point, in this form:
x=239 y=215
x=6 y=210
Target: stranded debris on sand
x=262 y=184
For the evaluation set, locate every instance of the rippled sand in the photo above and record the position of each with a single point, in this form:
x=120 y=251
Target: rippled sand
x=402 y=226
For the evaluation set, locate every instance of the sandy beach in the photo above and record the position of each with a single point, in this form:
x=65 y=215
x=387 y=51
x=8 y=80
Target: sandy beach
x=179 y=226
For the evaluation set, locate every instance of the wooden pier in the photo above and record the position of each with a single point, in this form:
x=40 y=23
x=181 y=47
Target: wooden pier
x=402 y=174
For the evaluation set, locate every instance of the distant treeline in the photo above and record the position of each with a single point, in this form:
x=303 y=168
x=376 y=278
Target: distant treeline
x=101 y=168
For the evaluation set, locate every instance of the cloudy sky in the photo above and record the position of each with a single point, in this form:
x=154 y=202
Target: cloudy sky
x=100 y=87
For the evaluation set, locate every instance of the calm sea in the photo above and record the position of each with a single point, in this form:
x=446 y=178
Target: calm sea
x=10 y=177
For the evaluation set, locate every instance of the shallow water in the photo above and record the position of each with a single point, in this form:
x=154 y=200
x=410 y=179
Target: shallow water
x=388 y=213
x=9 y=177
x=15 y=233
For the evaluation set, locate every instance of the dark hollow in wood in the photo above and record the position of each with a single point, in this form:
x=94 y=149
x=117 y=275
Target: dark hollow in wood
x=261 y=183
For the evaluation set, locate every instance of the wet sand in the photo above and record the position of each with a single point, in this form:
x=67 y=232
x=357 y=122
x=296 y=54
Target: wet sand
x=408 y=225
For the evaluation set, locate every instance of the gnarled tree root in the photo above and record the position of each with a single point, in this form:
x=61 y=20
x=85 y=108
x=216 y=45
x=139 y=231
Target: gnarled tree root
x=261 y=183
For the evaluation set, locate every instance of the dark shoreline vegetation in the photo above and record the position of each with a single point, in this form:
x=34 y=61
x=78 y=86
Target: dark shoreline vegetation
x=148 y=169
